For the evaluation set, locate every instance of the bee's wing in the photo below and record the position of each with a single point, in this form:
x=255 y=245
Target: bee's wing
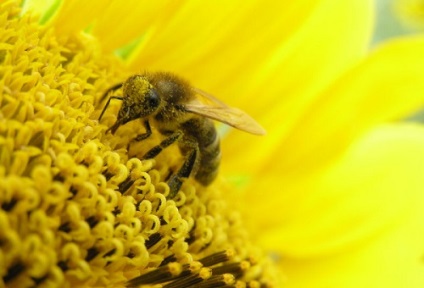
x=209 y=97
x=219 y=111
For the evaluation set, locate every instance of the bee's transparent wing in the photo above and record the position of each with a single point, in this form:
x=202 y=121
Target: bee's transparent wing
x=219 y=111
x=210 y=99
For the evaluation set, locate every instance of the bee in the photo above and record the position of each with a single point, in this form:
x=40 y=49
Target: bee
x=182 y=114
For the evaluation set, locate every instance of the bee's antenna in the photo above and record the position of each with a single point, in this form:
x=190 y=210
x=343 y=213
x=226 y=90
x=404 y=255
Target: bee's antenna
x=107 y=104
x=113 y=88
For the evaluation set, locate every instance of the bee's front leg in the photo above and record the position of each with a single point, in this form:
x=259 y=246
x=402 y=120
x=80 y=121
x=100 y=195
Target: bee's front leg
x=165 y=143
x=146 y=135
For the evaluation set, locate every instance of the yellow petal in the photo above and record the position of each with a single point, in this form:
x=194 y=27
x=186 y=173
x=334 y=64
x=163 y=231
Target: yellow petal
x=122 y=22
x=223 y=48
x=359 y=221
x=331 y=40
x=388 y=85
x=44 y=8
x=113 y=22
x=75 y=16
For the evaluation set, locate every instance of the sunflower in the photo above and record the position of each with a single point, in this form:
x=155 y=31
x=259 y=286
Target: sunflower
x=80 y=206
x=329 y=198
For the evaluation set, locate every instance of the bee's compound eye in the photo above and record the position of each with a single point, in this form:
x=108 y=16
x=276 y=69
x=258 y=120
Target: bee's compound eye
x=152 y=99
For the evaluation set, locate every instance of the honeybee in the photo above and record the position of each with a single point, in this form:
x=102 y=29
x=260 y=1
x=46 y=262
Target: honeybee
x=182 y=114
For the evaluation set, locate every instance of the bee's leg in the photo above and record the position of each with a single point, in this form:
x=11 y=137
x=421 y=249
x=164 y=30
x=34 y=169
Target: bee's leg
x=192 y=152
x=146 y=135
x=165 y=143
x=143 y=136
x=176 y=180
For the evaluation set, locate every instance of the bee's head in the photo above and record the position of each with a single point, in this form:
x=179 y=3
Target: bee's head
x=140 y=100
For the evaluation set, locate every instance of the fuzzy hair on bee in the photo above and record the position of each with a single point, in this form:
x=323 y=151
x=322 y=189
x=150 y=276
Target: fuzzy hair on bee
x=183 y=114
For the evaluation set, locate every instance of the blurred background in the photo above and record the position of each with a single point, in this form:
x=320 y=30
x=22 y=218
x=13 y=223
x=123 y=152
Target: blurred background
x=396 y=18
